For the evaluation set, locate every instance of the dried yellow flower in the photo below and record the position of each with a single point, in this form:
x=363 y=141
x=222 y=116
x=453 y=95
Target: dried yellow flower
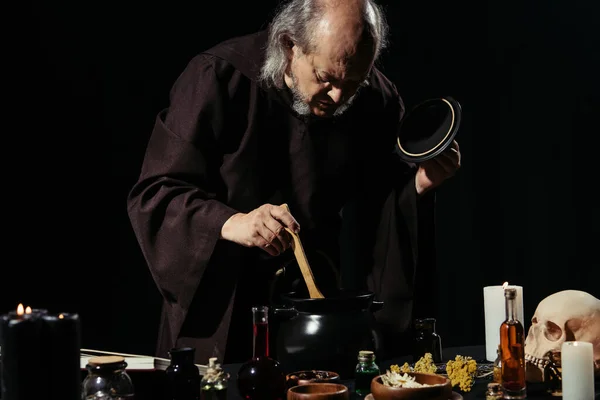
x=461 y=372
x=426 y=364
x=406 y=368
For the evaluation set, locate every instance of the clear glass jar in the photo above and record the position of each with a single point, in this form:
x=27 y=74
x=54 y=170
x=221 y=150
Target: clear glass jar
x=107 y=379
x=365 y=371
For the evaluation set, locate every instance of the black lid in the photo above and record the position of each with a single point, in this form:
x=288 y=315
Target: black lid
x=428 y=129
x=182 y=353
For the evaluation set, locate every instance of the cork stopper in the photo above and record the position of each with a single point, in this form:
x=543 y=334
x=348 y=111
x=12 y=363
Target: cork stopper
x=103 y=360
x=366 y=356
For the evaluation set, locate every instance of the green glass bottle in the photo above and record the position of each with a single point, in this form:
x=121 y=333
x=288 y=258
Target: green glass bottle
x=365 y=371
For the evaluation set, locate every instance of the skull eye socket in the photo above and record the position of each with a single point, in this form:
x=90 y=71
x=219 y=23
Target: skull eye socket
x=534 y=320
x=552 y=332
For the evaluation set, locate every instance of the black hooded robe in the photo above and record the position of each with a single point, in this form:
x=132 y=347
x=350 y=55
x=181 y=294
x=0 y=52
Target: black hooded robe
x=225 y=145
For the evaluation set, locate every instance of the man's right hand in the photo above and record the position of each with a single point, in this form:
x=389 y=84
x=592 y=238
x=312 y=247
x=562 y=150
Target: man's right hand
x=262 y=227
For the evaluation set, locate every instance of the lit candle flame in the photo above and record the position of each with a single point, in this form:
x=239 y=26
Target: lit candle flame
x=28 y=310
x=504 y=285
x=61 y=316
x=20 y=309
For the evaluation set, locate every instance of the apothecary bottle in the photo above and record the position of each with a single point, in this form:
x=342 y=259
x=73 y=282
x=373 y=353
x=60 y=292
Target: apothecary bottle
x=107 y=378
x=214 y=383
x=183 y=376
x=427 y=340
x=512 y=343
x=261 y=377
x=365 y=371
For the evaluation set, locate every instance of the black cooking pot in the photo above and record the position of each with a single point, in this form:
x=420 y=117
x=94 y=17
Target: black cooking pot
x=325 y=334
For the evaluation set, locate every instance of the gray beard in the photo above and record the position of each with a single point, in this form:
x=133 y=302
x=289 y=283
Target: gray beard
x=300 y=106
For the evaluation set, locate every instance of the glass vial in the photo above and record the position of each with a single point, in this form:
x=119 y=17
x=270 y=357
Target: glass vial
x=427 y=340
x=553 y=373
x=498 y=366
x=261 y=377
x=512 y=344
x=183 y=375
x=365 y=371
x=214 y=383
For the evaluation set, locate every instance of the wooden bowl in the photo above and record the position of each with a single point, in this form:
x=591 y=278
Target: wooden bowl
x=318 y=391
x=440 y=388
x=311 y=376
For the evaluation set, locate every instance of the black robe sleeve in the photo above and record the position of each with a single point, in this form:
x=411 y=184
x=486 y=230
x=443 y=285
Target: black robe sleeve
x=175 y=207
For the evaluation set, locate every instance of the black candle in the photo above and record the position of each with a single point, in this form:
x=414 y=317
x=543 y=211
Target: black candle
x=61 y=338
x=20 y=338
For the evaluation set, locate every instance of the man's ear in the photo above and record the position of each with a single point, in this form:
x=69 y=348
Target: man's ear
x=288 y=45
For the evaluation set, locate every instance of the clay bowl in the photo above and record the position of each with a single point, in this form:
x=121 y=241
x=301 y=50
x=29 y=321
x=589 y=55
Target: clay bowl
x=440 y=388
x=311 y=376
x=318 y=391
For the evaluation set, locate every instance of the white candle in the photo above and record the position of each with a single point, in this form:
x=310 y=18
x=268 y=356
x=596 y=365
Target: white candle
x=577 y=361
x=495 y=313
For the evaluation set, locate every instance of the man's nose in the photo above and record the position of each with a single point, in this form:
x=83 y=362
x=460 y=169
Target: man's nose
x=335 y=94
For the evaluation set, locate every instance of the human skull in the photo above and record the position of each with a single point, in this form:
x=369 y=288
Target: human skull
x=568 y=315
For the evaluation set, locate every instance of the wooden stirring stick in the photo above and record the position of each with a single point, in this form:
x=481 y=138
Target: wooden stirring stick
x=307 y=274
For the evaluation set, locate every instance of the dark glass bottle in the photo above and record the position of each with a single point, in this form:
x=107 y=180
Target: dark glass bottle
x=427 y=340
x=261 y=377
x=183 y=375
x=365 y=371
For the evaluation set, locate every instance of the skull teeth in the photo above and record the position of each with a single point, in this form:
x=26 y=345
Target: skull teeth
x=538 y=362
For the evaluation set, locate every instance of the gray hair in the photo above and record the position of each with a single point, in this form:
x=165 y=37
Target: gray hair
x=295 y=21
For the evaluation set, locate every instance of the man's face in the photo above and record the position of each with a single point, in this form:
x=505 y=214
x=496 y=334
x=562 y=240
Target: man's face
x=325 y=81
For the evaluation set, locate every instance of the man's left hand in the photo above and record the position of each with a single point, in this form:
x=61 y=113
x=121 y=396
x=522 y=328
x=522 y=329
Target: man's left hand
x=432 y=173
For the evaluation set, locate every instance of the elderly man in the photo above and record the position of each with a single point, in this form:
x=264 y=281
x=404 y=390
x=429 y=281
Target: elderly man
x=299 y=115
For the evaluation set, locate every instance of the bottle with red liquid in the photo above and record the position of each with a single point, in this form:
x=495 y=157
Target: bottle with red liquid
x=512 y=350
x=261 y=377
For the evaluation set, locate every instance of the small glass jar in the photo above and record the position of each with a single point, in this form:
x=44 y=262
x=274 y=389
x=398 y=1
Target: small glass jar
x=107 y=379
x=427 y=340
x=183 y=375
x=214 y=383
x=365 y=371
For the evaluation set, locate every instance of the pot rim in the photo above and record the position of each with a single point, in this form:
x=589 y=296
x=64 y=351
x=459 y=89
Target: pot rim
x=348 y=300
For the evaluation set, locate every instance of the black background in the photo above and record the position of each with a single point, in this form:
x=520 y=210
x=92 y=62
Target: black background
x=83 y=83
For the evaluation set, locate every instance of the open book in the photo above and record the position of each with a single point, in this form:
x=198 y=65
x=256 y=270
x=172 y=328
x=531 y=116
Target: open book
x=134 y=361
